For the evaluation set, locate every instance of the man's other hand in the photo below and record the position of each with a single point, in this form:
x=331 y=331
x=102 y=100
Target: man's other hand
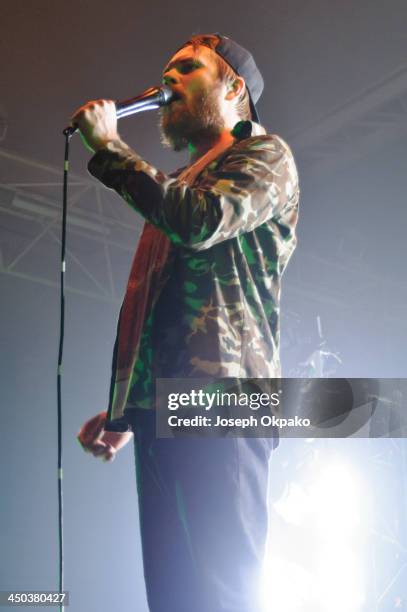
x=104 y=444
x=97 y=123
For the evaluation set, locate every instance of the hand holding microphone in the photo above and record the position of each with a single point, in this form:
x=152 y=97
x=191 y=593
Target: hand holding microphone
x=97 y=122
x=97 y=119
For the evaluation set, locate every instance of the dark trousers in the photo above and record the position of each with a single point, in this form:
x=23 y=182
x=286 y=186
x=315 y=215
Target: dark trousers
x=203 y=519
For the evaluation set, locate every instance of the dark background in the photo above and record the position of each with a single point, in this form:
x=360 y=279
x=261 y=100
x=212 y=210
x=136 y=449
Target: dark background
x=336 y=91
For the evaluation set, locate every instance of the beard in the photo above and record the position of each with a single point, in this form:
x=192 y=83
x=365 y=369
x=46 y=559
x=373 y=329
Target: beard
x=181 y=126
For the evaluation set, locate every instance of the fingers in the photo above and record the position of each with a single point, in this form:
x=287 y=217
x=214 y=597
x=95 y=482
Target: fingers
x=91 y=446
x=79 y=114
x=117 y=439
x=97 y=123
x=104 y=444
x=104 y=451
x=90 y=433
x=91 y=108
x=100 y=449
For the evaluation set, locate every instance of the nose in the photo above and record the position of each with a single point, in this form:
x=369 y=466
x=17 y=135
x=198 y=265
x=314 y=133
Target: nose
x=169 y=79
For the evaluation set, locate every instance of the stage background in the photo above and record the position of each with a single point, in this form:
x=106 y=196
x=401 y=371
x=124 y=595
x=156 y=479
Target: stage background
x=336 y=91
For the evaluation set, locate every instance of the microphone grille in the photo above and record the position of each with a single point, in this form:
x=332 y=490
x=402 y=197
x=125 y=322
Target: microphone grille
x=167 y=95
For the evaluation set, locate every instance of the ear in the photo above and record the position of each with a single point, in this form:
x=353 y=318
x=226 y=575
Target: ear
x=235 y=89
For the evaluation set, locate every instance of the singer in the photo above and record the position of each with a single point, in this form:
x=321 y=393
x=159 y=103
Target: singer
x=202 y=300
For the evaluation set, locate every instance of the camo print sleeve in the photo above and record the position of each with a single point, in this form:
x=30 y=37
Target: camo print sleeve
x=253 y=182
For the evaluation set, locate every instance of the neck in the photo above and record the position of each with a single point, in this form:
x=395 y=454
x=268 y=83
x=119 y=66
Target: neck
x=206 y=142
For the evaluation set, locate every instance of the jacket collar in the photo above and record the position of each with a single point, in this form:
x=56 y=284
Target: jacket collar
x=242 y=130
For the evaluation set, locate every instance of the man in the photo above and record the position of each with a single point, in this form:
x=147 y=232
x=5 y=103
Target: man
x=202 y=300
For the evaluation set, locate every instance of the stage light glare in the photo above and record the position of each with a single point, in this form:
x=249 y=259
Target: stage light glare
x=340 y=578
x=293 y=504
x=335 y=501
x=285 y=586
x=314 y=560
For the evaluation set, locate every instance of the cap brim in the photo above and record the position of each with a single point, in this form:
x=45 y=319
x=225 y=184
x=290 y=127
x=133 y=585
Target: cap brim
x=255 y=114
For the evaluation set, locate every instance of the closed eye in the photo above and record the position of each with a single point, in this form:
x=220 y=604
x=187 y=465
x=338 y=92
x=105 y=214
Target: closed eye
x=188 y=67
x=184 y=66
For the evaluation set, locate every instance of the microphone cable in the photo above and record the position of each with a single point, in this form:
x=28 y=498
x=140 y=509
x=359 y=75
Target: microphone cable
x=59 y=370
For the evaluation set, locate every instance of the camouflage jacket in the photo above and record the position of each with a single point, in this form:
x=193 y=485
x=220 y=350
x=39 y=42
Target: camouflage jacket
x=215 y=311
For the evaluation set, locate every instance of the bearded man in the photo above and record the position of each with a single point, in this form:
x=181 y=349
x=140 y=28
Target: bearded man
x=202 y=300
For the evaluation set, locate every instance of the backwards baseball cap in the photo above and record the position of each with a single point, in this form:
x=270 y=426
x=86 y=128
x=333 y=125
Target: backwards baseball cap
x=240 y=60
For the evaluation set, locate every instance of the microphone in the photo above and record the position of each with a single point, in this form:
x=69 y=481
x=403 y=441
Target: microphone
x=150 y=99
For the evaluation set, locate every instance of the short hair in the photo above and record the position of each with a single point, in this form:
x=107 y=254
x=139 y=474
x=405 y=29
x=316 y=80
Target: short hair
x=226 y=73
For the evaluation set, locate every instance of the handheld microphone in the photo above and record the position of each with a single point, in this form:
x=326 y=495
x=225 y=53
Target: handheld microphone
x=150 y=99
